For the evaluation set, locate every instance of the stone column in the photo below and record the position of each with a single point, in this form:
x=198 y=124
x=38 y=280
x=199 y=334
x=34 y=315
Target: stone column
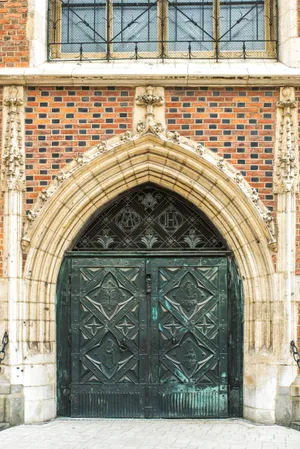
x=12 y=184
x=286 y=189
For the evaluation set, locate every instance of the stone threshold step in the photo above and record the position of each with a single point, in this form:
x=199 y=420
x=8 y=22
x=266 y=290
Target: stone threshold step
x=296 y=426
x=4 y=426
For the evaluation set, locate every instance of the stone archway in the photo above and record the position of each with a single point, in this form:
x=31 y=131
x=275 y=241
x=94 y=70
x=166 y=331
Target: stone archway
x=206 y=181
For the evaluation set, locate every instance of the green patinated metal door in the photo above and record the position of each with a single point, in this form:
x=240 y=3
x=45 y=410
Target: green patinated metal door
x=149 y=337
x=189 y=338
x=149 y=314
x=109 y=337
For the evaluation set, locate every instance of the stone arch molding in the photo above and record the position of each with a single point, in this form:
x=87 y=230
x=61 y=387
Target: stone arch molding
x=170 y=144
x=173 y=162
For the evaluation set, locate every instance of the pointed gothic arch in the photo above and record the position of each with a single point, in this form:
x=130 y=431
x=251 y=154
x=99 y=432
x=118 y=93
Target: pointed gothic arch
x=178 y=165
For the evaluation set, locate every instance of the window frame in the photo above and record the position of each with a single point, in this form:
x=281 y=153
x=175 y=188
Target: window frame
x=162 y=52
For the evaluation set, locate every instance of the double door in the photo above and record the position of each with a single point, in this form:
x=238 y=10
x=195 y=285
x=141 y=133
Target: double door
x=149 y=337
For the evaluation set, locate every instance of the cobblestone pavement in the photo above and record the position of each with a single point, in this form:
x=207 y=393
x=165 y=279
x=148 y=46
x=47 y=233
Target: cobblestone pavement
x=154 y=434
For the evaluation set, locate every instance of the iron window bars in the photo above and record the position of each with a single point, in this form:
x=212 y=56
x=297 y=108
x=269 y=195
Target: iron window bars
x=148 y=218
x=162 y=29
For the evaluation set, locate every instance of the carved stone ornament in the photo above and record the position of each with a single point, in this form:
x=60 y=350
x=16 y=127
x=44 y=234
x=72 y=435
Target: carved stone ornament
x=149 y=100
x=126 y=136
x=164 y=138
x=286 y=152
x=13 y=149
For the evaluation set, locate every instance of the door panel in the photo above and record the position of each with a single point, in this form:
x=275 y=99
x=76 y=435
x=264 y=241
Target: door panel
x=189 y=351
x=149 y=337
x=108 y=337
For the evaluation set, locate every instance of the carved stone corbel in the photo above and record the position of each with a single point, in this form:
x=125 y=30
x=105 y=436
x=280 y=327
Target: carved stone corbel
x=13 y=154
x=286 y=148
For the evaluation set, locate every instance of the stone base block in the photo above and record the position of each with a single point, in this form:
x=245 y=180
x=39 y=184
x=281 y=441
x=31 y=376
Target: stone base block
x=288 y=404
x=295 y=394
x=11 y=403
x=284 y=407
x=296 y=426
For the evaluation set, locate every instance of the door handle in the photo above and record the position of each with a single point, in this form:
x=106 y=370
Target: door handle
x=123 y=345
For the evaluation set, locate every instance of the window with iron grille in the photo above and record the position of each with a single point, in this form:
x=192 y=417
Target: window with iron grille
x=162 y=29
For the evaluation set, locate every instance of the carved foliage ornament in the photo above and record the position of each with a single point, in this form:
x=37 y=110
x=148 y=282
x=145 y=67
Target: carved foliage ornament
x=149 y=100
x=286 y=164
x=13 y=153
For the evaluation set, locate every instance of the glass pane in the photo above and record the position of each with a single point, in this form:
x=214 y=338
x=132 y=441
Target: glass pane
x=190 y=22
x=242 y=23
x=84 y=25
x=135 y=25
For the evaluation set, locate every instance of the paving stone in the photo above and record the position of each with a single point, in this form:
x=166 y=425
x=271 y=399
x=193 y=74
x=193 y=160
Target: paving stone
x=154 y=434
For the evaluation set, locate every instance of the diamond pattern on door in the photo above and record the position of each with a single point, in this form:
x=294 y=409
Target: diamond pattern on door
x=107 y=336
x=192 y=339
x=186 y=304
x=149 y=337
x=109 y=356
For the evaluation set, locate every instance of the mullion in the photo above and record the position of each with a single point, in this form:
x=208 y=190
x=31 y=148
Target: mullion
x=230 y=22
x=257 y=22
x=148 y=28
x=94 y=20
x=55 y=21
x=68 y=19
x=122 y=21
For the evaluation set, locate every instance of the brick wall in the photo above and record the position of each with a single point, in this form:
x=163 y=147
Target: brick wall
x=238 y=124
x=63 y=122
x=14 y=46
